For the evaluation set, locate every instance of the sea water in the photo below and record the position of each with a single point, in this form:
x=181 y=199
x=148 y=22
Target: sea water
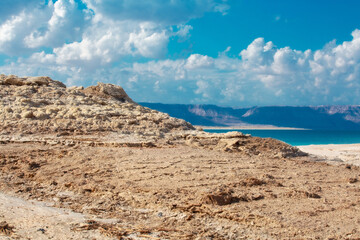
x=301 y=137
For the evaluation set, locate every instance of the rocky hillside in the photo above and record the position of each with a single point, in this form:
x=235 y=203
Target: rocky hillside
x=319 y=118
x=45 y=110
x=42 y=105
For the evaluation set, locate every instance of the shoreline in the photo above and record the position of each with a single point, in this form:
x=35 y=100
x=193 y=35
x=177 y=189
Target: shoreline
x=249 y=127
x=330 y=144
x=346 y=153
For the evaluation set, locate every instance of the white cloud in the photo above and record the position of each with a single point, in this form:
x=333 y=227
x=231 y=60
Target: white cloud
x=258 y=53
x=196 y=61
x=107 y=41
x=7 y=29
x=82 y=46
x=42 y=26
x=102 y=43
x=263 y=75
x=66 y=24
x=148 y=41
x=101 y=34
x=183 y=30
x=172 y=12
x=12 y=33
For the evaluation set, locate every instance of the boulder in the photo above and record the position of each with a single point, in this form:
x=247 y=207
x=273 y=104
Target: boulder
x=14 y=80
x=40 y=81
x=107 y=89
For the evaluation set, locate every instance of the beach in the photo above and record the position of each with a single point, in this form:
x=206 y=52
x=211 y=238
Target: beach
x=346 y=153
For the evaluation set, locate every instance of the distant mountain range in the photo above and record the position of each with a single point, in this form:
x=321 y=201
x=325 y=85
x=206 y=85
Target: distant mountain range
x=319 y=118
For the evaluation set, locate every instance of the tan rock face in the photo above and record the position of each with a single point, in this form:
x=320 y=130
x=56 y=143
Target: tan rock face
x=42 y=105
x=109 y=90
x=28 y=81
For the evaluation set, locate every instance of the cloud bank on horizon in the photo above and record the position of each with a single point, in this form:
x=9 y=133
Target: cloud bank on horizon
x=127 y=43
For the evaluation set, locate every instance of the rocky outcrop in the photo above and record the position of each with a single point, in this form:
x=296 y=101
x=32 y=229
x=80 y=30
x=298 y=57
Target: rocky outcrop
x=32 y=107
x=109 y=91
x=42 y=105
x=29 y=81
x=238 y=142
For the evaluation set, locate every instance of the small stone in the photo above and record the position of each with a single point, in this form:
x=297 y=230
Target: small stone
x=41 y=230
x=8 y=109
x=41 y=115
x=28 y=114
x=352 y=180
x=233 y=134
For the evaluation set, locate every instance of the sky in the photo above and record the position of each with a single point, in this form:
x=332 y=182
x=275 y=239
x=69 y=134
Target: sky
x=235 y=53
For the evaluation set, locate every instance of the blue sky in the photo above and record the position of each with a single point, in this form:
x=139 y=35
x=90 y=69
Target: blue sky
x=225 y=52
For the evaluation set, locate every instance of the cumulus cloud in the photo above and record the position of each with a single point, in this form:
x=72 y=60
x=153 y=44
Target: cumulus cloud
x=148 y=41
x=82 y=45
x=42 y=26
x=99 y=32
x=12 y=33
x=262 y=75
x=106 y=42
x=197 y=61
x=160 y=11
x=64 y=25
x=64 y=39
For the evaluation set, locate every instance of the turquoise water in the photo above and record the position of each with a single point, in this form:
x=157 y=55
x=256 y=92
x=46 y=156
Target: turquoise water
x=303 y=137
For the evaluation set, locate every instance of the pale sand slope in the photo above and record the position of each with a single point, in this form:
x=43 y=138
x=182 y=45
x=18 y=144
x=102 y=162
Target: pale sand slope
x=348 y=153
x=36 y=220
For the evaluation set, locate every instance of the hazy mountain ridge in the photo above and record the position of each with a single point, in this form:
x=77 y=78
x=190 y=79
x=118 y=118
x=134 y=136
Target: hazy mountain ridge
x=319 y=117
x=351 y=113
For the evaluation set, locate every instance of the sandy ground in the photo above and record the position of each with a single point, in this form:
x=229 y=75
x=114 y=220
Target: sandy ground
x=174 y=192
x=347 y=153
x=36 y=220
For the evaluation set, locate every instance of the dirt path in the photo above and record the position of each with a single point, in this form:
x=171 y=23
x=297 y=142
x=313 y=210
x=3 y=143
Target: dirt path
x=35 y=220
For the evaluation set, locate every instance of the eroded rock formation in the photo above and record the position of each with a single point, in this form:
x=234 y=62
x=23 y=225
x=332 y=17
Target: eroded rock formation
x=42 y=105
x=35 y=106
